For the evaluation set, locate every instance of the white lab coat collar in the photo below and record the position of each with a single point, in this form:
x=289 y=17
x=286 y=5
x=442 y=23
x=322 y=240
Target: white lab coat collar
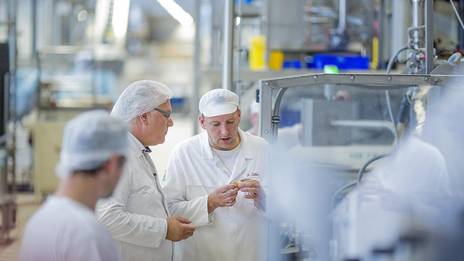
x=207 y=151
x=136 y=145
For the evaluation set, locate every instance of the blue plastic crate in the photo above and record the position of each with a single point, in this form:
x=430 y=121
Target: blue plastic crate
x=342 y=61
x=292 y=64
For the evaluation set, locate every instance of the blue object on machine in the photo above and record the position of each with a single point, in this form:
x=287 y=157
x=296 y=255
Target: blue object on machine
x=177 y=101
x=292 y=64
x=289 y=118
x=342 y=61
x=309 y=62
x=244 y=1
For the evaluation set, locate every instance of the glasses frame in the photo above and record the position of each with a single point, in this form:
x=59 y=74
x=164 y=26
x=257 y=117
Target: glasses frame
x=166 y=114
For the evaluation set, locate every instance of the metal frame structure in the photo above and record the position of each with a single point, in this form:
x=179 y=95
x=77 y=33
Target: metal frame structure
x=8 y=140
x=272 y=91
x=428 y=23
x=228 y=44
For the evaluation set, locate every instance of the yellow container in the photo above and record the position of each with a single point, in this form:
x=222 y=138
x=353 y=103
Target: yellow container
x=374 y=65
x=276 y=60
x=257 y=53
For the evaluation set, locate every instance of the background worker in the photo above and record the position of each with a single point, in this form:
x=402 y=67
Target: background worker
x=91 y=162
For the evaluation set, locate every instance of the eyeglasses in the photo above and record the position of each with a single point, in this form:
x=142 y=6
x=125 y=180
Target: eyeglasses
x=166 y=114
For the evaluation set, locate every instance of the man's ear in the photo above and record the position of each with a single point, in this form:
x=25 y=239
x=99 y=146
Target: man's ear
x=201 y=120
x=143 y=118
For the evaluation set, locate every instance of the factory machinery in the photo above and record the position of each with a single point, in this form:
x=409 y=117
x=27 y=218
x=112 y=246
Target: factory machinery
x=343 y=126
x=340 y=136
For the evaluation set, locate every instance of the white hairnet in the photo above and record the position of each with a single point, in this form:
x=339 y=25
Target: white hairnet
x=218 y=102
x=89 y=140
x=140 y=97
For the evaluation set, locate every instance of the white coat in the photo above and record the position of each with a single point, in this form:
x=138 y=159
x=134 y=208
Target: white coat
x=136 y=213
x=64 y=229
x=234 y=233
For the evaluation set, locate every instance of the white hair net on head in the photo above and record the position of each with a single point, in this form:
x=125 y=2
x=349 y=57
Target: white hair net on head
x=89 y=140
x=218 y=102
x=140 y=97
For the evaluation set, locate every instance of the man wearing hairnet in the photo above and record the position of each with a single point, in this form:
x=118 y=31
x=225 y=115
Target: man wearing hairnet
x=214 y=180
x=137 y=215
x=91 y=162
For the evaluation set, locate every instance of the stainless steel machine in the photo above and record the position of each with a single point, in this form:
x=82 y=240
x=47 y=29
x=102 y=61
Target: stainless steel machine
x=338 y=134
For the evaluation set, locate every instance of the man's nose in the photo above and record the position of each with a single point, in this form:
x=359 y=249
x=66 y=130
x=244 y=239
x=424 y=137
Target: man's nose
x=224 y=130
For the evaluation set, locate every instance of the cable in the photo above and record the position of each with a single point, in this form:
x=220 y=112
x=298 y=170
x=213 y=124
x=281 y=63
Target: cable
x=395 y=57
x=342 y=192
x=390 y=112
x=364 y=167
x=457 y=14
x=387 y=93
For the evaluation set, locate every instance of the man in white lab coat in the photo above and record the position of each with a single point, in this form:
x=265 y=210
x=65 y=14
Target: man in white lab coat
x=65 y=227
x=137 y=215
x=214 y=179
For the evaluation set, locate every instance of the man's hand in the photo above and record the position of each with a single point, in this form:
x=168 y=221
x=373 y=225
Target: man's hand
x=179 y=228
x=253 y=190
x=222 y=197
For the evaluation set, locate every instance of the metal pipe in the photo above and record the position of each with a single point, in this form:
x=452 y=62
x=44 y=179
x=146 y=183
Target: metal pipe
x=34 y=29
x=428 y=36
x=267 y=30
x=4 y=150
x=238 y=55
x=275 y=117
x=216 y=34
x=265 y=115
x=196 y=65
x=12 y=45
x=228 y=45
x=417 y=20
x=341 y=16
x=460 y=30
x=399 y=25
x=382 y=32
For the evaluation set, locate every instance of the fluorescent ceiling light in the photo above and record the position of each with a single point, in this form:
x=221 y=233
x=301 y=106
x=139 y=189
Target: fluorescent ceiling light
x=120 y=18
x=177 y=12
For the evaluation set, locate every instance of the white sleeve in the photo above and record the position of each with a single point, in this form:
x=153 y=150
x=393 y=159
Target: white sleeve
x=196 y=210
x=142 y=230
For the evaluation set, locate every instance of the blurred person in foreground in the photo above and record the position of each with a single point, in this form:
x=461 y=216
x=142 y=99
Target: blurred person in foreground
x=137 y=215
x=214 y=179
x=91 y=162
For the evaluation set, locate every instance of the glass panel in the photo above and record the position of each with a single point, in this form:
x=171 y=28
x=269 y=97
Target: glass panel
x=340 y=125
